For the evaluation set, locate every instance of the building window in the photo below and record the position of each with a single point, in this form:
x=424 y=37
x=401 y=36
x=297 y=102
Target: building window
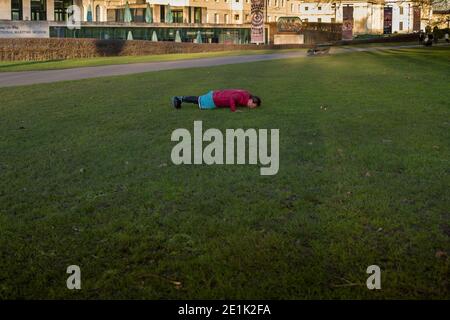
x=400 y=26
x=16 y=9
x=292 y=7
x=282 y=3
x=333 y=20
x=216 y=18
x=177 y=16
x=247 y=17
x=305 y=20
x=197 y=15
x=401 y=10
x=97 y=13
x=306 y=8
x=319 y=20
x=225 y=18
x=118 y=15
x=162 y=13
x=276 y=3
x=138 y=14
x=236 y=17
x=61 y=9
x=269 y=18
x=319 y=8
x=38 y=10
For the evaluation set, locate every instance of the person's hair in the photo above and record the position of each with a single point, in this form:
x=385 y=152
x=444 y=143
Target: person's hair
x=256 y=100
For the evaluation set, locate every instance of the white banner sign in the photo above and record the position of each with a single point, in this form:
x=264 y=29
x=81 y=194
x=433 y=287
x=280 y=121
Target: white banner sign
x=24 y=29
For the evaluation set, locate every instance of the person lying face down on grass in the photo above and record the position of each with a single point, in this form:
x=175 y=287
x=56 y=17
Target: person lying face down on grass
x=228 y=98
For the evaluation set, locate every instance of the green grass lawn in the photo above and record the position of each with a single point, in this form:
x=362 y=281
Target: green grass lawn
x=86 y=179
x=8 y=66
x=382 y=44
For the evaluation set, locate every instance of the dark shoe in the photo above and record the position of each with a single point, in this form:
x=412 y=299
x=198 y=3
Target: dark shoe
x=176 y=102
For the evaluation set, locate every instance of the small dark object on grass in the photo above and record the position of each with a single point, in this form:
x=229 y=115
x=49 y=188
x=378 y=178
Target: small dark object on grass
x=319 y=50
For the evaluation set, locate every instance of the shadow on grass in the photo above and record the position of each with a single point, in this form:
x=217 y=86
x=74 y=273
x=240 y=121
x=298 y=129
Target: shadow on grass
x=417 y=59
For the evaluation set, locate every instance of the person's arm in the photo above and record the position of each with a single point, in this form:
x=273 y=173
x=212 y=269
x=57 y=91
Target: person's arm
x=233 y=103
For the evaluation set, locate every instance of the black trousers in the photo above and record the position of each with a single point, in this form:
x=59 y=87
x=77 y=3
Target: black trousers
x=190 y=99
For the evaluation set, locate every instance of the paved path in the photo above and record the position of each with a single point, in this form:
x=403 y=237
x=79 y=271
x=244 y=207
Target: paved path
x=10 y=79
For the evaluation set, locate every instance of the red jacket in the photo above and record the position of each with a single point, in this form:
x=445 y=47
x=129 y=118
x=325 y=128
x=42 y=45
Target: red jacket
x=231 y=98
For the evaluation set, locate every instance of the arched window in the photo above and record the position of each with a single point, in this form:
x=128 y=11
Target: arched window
x=16 y=10
x=97 y=13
